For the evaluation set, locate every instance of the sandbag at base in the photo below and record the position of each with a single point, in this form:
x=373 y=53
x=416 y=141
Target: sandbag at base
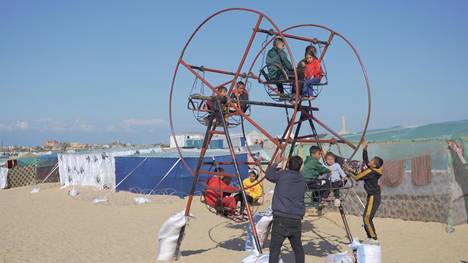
x=168 y=236
x=367 y=253
x=255 y=258
x=343 y=257
x=262 y=222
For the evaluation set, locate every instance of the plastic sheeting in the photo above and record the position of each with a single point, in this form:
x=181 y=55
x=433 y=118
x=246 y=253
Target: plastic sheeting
x=162 y=175
x=3 y=177
x=90 y=169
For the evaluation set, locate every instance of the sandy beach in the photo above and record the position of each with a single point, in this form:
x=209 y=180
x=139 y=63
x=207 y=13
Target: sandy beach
x=50 y=226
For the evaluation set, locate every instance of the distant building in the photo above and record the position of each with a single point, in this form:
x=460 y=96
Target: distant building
x=77 y=145
x=195 y=140
x=51 y=144
x=184 y=140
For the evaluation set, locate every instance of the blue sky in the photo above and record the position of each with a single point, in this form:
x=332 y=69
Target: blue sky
x=98 y=71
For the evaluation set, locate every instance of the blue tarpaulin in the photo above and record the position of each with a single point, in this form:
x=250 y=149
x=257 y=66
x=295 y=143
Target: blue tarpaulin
x=148 y=173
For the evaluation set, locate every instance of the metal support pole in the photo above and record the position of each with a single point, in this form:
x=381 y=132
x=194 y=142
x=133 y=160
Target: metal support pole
x=211 y=126
x=346 y=225
x=244 y=197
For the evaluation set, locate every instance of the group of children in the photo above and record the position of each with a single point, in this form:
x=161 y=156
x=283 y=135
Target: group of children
x=309 y=69
x=225 y=198
x=321 y=177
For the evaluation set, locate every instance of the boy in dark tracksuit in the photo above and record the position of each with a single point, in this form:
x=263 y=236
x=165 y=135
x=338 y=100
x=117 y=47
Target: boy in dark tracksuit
x=288 y=208
x=371 y=178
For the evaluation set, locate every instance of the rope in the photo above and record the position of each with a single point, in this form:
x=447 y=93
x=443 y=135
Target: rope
x=130 y=173
x=164 y=177
x=50 y=173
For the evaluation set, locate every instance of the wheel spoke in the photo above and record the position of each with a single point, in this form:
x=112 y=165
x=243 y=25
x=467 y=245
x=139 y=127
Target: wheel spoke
x=246 y=52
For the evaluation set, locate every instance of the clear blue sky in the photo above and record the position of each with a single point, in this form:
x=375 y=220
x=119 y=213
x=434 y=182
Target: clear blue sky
x=96 y=71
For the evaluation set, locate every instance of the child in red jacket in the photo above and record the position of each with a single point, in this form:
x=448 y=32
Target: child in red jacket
x=313 y=74
x=215 y=195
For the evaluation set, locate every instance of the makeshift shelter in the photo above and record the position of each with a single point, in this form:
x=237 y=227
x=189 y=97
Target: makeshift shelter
x=165 y=173
x=90 y=169
x=424 y=180
x=32 y=169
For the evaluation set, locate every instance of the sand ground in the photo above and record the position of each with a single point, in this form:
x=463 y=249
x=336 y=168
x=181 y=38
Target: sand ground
x=50 y=226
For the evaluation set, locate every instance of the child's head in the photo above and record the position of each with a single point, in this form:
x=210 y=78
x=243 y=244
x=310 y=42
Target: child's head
x=253 y=176
x=295 y=163
x=330 y=158
x=310 y=50
x=222 y=91
x=376 y=162
x=278 y=43
x=315 y=152
x=308 y=58
x=240 y=87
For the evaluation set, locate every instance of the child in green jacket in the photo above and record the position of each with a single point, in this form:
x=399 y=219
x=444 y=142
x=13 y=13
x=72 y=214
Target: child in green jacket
x=278 y=63
x=313 y=172
x=313 y=168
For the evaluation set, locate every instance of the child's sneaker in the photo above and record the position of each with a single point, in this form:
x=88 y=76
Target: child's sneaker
x=337 y=202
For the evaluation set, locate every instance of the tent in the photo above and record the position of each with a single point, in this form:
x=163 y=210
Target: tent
x=166 y=174
x=32 y=169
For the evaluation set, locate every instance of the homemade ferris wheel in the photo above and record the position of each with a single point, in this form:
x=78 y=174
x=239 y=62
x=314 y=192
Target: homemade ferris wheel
x=222 y=112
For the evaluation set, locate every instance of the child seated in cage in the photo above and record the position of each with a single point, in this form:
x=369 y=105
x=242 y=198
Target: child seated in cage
x=218 y=191
x=337 y=176
x=313 y=74
x=240 y=96
x=212 y=104
x=315 y=174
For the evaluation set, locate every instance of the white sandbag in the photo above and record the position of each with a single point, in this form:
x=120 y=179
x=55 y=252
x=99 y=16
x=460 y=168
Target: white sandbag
x=98 y=200
x=254 y=258
x=262 y=222
x=343 y=257
x=168 y=236
x=3 y=177
x=35 y=189
x=139 y=200
x=73 y=192
x=367 y=253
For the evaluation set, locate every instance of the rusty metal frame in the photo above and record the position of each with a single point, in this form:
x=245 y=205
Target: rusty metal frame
x=281 y=143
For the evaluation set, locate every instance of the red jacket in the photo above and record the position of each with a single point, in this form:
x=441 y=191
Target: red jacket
x=214 y=193
x=313 y=69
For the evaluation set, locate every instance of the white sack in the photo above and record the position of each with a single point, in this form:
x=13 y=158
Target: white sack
x=168 y=236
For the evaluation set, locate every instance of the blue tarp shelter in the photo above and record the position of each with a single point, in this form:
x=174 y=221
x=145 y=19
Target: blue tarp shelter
x=167 y=175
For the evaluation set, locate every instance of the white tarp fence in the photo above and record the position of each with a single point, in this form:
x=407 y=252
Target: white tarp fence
x=89 y=169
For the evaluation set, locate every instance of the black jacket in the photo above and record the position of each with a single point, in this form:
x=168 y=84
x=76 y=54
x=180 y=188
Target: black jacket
x=288 y=198
x=370 y=176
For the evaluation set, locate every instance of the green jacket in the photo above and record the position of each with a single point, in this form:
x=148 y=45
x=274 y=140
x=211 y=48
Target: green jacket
x=313 y=169
x=277 y=57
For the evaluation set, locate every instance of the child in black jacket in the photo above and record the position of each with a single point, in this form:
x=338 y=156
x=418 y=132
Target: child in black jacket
x=371 y=177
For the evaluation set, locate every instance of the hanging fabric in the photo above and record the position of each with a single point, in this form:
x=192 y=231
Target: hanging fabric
x=393 y=172
x=421 y=170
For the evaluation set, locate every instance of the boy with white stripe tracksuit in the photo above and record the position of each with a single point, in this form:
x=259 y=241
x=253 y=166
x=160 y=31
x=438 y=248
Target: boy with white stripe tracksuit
x=371 y=177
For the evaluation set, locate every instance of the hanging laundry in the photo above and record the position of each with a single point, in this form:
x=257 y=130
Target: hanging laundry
x=421 y=170
x=393 y=172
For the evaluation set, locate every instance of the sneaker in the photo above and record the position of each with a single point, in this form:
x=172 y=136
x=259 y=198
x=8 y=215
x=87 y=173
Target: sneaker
x=372 y=241
x=337 y=202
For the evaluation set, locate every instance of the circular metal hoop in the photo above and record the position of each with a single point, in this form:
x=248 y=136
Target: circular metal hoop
x=358 y=58
x=181 y=61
